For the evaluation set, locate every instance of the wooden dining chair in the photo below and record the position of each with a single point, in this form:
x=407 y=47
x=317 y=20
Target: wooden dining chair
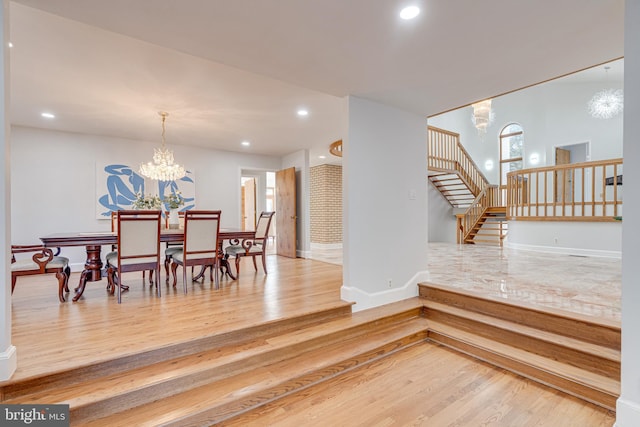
x=201 y=244
x=138 y=247
x=114 y=228
x=43 y=261
x=253 y=247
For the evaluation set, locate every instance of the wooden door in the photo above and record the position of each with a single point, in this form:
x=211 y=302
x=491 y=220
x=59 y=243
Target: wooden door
x=249 y=204
x=286 y=215
x=563 y=187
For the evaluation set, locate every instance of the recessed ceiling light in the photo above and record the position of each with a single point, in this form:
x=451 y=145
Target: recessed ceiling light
x=48 y=115
x=302 y=112
x=246 y=143
x=10 y=44
x=409 y=12
x=322 y=157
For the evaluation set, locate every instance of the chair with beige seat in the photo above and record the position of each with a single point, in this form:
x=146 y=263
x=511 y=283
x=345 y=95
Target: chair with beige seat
x=253 y=247
x=138 y=247
x=201 y=244
x=43 y=261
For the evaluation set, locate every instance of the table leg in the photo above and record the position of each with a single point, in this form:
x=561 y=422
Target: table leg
x=92 y=269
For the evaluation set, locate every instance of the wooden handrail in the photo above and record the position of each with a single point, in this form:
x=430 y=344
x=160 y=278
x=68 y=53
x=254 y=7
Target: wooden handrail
x=586 y=191
x=490 y=197
x=447 y=154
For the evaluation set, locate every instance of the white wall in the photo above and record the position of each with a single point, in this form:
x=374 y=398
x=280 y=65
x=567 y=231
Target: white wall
x=384 y=204
x=628 y=407
x=54 y=181
x=442 y=220
x=602 y=239
x=8 y=359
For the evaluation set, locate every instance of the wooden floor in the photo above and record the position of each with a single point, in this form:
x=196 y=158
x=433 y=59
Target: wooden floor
x=50 y=336
x=429 y=385
x=423 y=385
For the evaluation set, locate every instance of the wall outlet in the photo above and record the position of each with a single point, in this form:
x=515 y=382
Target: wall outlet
x=389 y=282
x=555 y=240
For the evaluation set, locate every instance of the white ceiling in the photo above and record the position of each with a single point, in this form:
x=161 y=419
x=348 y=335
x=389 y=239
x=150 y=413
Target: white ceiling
x=228 y=71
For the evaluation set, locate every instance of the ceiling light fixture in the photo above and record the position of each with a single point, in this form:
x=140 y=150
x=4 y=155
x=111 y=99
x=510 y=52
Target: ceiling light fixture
x=482 y=116
x=48 y=115
x=245 y=143
x=606 y=103
x=409 y=12
x=302 y=112
x=162 y=168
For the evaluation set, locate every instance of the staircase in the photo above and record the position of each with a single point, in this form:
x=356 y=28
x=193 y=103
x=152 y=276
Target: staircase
x=451 y=169
x=216 y=378
x=491 y=228
x=569 y=352
x=454 y=174
x=453 y=188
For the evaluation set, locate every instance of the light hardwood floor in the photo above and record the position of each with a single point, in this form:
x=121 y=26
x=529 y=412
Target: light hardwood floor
x=424 y=385
x=428 y=385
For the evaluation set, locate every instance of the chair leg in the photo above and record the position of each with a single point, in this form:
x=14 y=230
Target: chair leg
x=254 y=262
x=237 y=266
x=110 y=285
x=61 y=280
x=13 y=282
x=264 y=263
x=157 y=281
x=184 y=278
x=167 y=261
x=174 y=268
x=151 y=282
x=215 y=267
x=67 y=271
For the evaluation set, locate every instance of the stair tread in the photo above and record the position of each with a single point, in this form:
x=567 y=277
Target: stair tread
x=581 y=376
x=139 y=378
x=561 y=340
x=265 y=382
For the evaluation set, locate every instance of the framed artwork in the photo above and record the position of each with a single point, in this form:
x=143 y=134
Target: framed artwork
x=117 y=187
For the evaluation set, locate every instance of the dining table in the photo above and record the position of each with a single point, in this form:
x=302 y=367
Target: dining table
x=94 y=240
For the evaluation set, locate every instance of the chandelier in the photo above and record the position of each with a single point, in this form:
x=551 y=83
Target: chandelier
x=607 y=103
x=483 y=115
x=162 y=168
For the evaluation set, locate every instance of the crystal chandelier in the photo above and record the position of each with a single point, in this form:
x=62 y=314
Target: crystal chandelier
x=607 y=103
x=483 y=115
x=162 y=168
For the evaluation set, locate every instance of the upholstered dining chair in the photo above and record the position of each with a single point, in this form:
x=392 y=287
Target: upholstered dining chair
x=138 y=247
x=253 y=247
x=114 y=228
x=201 y=244
x=43 y=261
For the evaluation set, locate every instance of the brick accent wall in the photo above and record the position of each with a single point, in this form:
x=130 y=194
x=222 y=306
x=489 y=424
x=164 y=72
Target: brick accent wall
x=326 y=204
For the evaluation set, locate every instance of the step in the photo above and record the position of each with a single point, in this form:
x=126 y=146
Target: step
x=593 y=357
x=220 y=400
x=132 y=387
x=574 y=325
x=107 y=365
x=582 y=383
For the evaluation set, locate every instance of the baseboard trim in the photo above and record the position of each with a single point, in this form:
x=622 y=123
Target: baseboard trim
x=8 y=363
x=363 y=300
x=627 y=413
x=565 y=251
